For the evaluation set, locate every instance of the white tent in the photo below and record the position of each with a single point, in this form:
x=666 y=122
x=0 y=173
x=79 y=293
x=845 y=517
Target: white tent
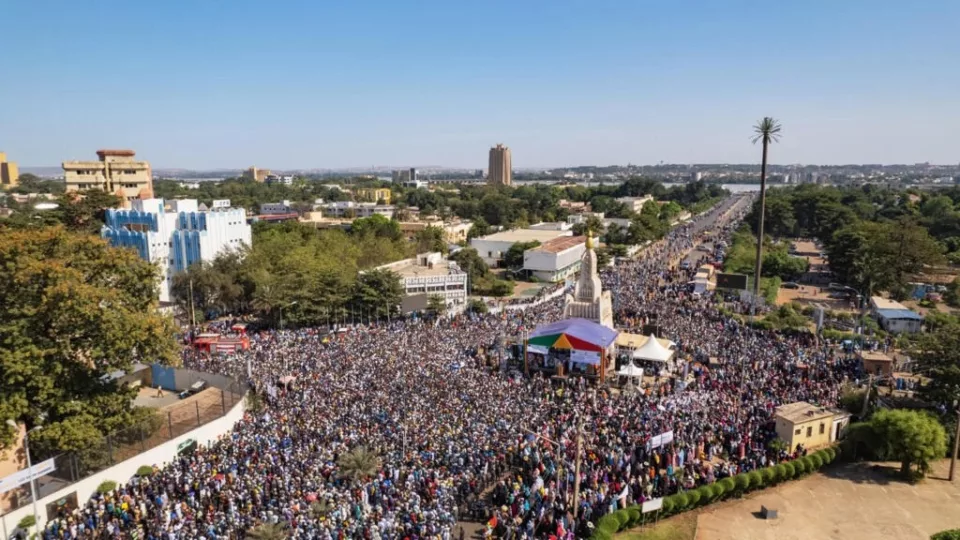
x=653 y=350
x=631 y=370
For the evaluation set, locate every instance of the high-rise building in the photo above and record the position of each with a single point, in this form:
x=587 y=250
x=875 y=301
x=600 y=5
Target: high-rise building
x=501 y=168
x=115 y=172
x=401 y=176
x=177 y=237
x=9 y=174
x=255 y=174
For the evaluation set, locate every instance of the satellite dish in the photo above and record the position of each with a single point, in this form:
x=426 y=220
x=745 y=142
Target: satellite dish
x=46 y=206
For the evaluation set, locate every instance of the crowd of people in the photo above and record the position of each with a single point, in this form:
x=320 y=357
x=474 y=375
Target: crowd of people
x=454 y=437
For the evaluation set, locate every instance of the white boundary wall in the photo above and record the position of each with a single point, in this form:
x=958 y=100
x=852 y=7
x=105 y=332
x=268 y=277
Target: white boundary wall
x=121 y=473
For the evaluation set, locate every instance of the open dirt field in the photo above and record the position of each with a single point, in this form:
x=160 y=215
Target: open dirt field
x=848 y=502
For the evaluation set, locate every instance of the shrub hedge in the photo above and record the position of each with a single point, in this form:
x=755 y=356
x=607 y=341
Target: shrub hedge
x=106 y=486
x=626 y=518
x=951 y=534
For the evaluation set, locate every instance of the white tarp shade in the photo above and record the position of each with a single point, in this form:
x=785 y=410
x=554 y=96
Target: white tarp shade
x=653 y=350
x=538 y=349
x=631 y=370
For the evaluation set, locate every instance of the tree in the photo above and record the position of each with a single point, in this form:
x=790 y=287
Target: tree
x=938 y=356
x=436 y=305
x=952 y=295
x=603 y=257
x=593 y=225
x=358 y=464
x=913 y=438
x=377 y=291
x=431 y=239
x=480 y=228
x=513 y=258
x=85 y=212
x=74 y=310
x=377 y=225
x=470 y=262
x=766 y=131
x=779 y=219
x=477 y=306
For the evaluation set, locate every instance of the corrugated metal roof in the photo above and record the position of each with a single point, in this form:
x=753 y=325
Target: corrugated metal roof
x=899 y=314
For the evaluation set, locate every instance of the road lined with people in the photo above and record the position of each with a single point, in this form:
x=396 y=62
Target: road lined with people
x=427 y=398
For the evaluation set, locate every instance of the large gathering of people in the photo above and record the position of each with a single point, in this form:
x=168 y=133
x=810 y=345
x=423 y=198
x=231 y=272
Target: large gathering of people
x=457 y=438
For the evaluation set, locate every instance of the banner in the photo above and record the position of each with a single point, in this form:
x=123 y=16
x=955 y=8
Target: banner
x=22 y=477
x=537 y=349
x=585 y=357
x=662 y=439
x=652 y=505
x=667 y=437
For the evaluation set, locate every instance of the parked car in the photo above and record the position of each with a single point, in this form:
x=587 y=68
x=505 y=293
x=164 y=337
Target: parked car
x=790 y=285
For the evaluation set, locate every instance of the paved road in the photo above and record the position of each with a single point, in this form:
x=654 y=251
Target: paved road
x=731 y=204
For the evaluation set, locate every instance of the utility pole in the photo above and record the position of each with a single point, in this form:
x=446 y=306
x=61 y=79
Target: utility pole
x=956 y=442
x=576 y=470
x=866 y=397
x=193 y=311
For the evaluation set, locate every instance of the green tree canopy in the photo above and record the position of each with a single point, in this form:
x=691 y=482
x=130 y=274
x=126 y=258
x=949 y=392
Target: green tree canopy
x=513 y=258
x=913 y=438
x=74 y=310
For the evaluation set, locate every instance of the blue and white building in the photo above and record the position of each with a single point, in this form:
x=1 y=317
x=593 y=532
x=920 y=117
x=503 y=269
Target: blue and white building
x=177 y=234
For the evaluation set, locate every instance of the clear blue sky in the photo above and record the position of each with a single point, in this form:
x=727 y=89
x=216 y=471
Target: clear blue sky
x=303 y=84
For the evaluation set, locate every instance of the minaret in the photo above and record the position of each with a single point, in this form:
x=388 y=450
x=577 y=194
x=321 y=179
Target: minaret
x=588 y=286
x=589 y=300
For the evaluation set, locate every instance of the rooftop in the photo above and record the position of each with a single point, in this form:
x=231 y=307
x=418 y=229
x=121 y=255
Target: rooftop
x=560 y=244
x=414 y=267
x=875 y=356
x=883 y=303
x=801 y=412
x=109 y=152
x=524 y=235
x=902 y=313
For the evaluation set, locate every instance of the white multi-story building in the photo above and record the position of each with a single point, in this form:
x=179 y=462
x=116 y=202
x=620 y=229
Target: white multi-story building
x=555 y=260
x=635 y=203
x=429 y=274
x=176 y=235
x=279 y=179
x=282 y=207
x=348 y=209
x=493 y=247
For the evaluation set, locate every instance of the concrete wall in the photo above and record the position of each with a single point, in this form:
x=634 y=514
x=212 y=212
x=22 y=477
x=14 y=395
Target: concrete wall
x=186 y=377
x=121 y=473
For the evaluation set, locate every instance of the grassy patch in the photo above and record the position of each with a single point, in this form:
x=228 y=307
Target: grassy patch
x=680 y=527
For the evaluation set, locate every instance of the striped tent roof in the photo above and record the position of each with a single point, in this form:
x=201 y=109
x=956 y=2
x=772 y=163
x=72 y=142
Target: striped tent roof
x=577 y=334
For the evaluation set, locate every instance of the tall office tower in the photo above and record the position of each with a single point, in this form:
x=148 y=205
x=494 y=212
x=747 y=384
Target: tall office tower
x=8 y=171
x=500 y=170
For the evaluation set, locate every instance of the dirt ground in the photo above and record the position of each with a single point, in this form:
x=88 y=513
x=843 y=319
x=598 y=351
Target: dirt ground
x=813 y=285
x=849 y=502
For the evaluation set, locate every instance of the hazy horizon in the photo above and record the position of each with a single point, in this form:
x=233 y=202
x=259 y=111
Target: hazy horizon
x=306 y=85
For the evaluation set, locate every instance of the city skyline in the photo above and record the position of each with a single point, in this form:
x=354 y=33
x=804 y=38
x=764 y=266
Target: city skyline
x=338 y=87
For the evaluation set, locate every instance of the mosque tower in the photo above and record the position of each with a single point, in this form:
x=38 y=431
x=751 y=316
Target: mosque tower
x=589 y=300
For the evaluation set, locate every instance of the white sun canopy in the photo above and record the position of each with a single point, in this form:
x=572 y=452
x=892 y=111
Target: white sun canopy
x=632 y=371
x=653 y=350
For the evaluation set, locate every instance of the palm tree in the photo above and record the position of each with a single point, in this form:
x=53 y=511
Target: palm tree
x=767 y=131
x=268 y=531
x=358 y=464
